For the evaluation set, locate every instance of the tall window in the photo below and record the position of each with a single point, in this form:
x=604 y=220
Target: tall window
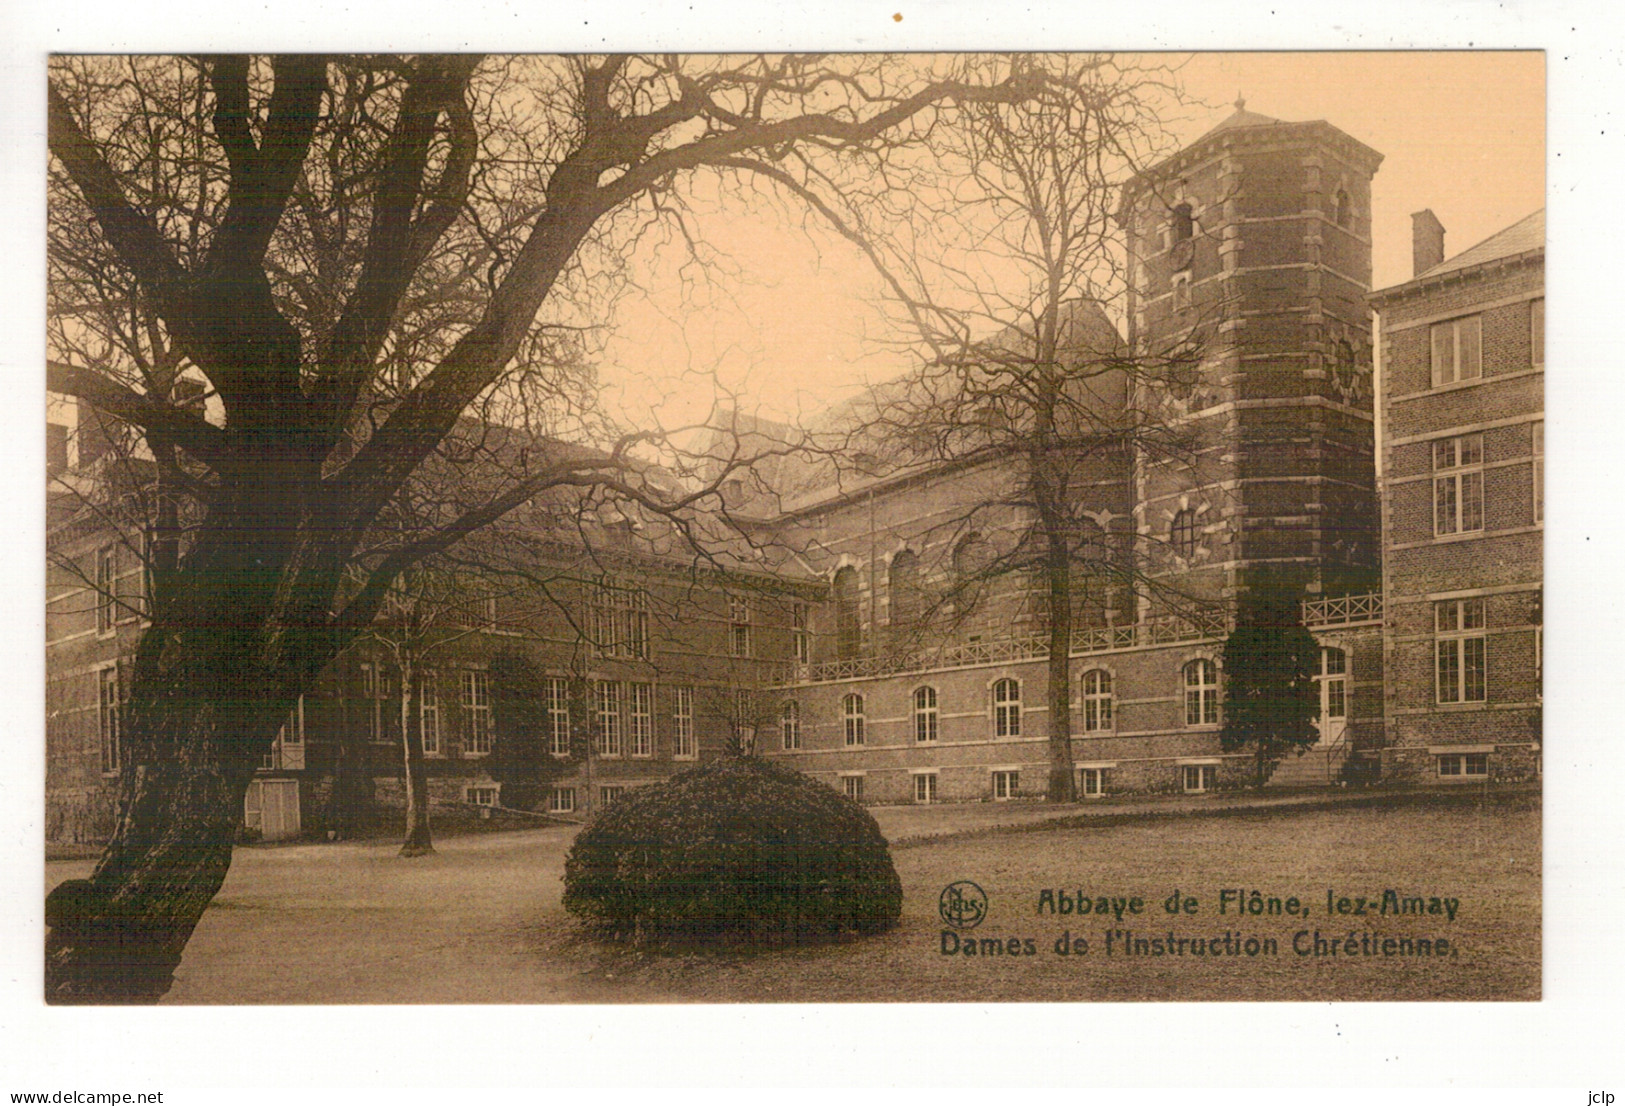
x=903 y=586
x=1458 y=484
x=738 y=626
x=640 y=719
x=558 y=717
x=682 y=718
x=1537 y=333
x=1458 y=627
x=375 y=694
x=1334 y=681
x=1341 y=215
x=852 y=715
x=609 y=718
x=925 y=787
x=1183 y=533
x=107 y=719
x=1201 y=693
x=476 y=712
x=104 y=590
x=1537 y=445
x=970 y=558
x=848 y=627
x=1006 y=709
x=925 y=714
x=790 y=724
x=620 y=619
x=1456 y=354
x=852 y=787
x=1182 y=223
x=801 y=636
x=1097 y=700
x=429 y=712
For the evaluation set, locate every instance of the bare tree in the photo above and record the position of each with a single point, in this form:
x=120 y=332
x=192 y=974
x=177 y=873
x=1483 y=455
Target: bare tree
x=1011 y=278
x=276 y=219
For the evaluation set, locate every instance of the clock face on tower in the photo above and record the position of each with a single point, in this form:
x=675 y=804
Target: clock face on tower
x=1349 y=378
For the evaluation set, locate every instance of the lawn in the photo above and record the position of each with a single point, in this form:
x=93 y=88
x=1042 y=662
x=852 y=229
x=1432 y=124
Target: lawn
x=481 y=921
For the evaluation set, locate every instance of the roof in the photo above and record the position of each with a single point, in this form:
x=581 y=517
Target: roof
x=1239 y=118
x=1527 y=234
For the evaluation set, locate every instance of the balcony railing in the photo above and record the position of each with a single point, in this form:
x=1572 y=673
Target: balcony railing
x=970 y=654
x=1345 y=610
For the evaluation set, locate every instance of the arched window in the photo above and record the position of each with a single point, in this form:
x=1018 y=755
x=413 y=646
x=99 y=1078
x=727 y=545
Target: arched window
x=1342 y=215
x=1182 y=534
x=852 y=715
x=790 y=724
x=1201 y=693
x=925 y=714
x=1007 y=709
x=848 y=629
x=903 y=588
x=1097 y=700
x=1183 y=225
x=970 y=557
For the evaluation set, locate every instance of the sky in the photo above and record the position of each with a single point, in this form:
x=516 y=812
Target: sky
x=1462 y=133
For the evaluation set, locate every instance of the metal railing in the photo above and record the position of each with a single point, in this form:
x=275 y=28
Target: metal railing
x=1344 y=610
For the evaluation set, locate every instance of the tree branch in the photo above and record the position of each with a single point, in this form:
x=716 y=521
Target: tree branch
x=189 y=431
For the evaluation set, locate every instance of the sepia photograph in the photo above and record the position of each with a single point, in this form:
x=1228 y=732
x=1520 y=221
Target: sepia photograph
x=794 y=528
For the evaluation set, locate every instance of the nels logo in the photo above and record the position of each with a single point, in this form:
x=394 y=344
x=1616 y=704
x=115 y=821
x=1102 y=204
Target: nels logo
x=962 y=905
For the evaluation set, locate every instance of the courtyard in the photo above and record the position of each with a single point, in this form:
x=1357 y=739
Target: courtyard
x=481 y=921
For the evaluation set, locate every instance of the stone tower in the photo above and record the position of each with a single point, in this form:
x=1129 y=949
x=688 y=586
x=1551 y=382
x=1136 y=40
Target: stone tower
x=1252 y=248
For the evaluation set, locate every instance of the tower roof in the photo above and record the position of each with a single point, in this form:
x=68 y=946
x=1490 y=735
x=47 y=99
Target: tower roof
x=1239 y=118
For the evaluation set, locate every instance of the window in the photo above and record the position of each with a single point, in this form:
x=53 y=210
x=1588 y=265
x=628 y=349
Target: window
x=1537 y=475
x=1455 y=351
x=640 y=703
x=1182 y=533
x=903 y=586
x=738 y=626
x=104 y=591
x=56 y=448
x=1097 y=700
x=1341 y=215
x=1006 y=709
x=682 y=716
x=801 y=638
x=852 y=715
x=480 y=796
x=558 y=717
x=1464 y=764
x=620 y=619
x=1006 y=785
x=790 y=724
x=1201 y=693
x=1537 y=333
x=610 y=792
x=1181 y=222
x=848 y=628
x=376 y=691
x=1092 y=782
x=609 y=718
x=1458 y=485
x=925 y=787
x=108 y=709
x=925 y=714
x=852 y=788
x=1458 y=626
x=1199 y=777
x=476 y=713
x=561 y=800
x=972 y=556
x=429 y=713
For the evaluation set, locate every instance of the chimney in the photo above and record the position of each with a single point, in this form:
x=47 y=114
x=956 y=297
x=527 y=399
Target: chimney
x=1427 y=241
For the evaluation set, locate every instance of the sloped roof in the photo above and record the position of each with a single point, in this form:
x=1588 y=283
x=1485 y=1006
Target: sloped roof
x=1239 y=118
x=1527 y=234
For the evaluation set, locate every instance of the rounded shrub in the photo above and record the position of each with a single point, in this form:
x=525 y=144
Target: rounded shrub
x=738 y=851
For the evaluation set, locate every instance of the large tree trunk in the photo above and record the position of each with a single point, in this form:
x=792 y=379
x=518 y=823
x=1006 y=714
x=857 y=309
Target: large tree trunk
x=1062 y=778
x=418 y=841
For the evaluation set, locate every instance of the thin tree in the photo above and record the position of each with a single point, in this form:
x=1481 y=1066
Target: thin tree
x=1011 y=277
x=277 y=217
